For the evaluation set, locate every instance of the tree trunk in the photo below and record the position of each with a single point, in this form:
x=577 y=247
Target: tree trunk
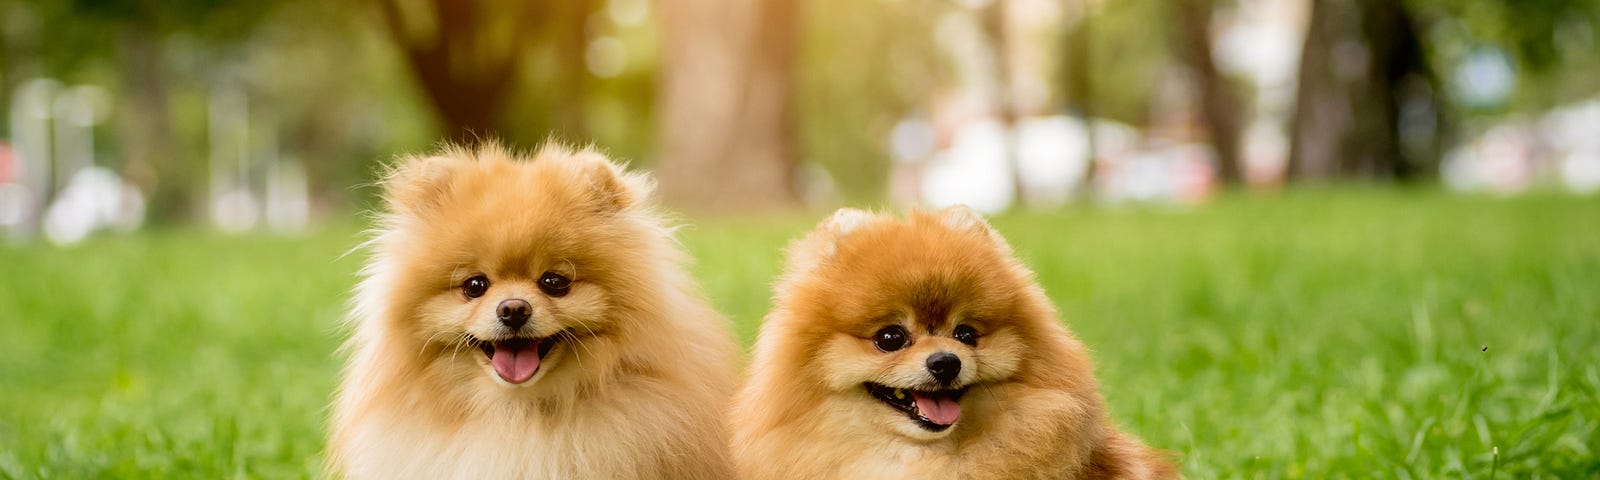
x=1219 y=104
x=8 y=83
x=1080 y=93
x=152 y=161
x=571 y=44
x=1397 y=54
x=465 y=70
x=1357 y=57
x=727 y=110
x=1320 y=109
x=1000 y=44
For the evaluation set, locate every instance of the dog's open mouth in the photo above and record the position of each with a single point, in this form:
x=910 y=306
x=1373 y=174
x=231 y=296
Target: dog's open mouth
x=933 y=410
x=515 y=360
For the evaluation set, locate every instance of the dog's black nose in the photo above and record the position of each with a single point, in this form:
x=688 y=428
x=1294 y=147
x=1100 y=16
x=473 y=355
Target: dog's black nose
x=514 y=313
x=944 y=366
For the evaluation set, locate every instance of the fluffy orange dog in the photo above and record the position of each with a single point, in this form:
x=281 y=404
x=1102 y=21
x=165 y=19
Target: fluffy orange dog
x=920 y=349
x=529 y=318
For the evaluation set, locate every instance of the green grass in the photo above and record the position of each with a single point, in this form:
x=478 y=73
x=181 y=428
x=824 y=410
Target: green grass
x=1322 y=334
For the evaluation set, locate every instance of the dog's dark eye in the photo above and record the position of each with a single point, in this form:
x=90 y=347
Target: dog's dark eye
x=554 y=284
x=890 y=338
x=966 y=334
x=475 y=287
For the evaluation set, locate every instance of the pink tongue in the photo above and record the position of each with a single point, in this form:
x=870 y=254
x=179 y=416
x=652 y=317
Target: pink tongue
x=940 y=410
x=516 y=366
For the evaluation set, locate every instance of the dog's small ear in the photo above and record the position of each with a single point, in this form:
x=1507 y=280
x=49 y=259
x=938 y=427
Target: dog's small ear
x=416 y=184
x=615 y=188
x=962 y=218
x=823 y=242
x=844 y=221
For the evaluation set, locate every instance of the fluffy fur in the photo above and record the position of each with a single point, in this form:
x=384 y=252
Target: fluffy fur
x=639 y=370
x=1029 y=406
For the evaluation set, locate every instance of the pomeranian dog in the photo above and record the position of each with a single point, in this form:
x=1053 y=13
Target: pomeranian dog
x=921 y=349
x=529 y=318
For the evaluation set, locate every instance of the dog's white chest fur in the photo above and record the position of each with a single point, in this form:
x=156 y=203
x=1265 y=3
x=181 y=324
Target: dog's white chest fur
x=481 y=449
x=900 y=462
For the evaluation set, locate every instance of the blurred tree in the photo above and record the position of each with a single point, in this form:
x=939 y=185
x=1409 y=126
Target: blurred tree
x=1219 y=104
x=1079 y=86
x=727 y=104
x=1371 y=103
x=568 y=24
x=466 y=54
x=162 y=60
x=1361 y=61
x=561 y=95
x=338 y=129
x=1000 y=42
x=152 y=149
x=8 y=73
x=850 y=98
x=1113 y=62
x=1128 y=58
x=132 y=35
x=1553 y=45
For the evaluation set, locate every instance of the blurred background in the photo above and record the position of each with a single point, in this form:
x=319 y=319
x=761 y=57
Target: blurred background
x=1303 y=238
x=264 y=114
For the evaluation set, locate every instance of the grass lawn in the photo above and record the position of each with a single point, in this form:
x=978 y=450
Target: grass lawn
x=1325 y=334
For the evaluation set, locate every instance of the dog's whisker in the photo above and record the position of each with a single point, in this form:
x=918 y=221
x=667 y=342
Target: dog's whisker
x=455 y=347
x=591 y=330
x=463 y=341
x=423 y=349
x=574 y=337
x=997 y=405
x=571 y=338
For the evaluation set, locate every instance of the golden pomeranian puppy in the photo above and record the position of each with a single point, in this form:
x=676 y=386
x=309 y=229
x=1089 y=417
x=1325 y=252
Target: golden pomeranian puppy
x=920 y=349
x=529 y=318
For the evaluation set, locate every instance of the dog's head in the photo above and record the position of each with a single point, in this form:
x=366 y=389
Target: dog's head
x=501 y=268
x=904 y=320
